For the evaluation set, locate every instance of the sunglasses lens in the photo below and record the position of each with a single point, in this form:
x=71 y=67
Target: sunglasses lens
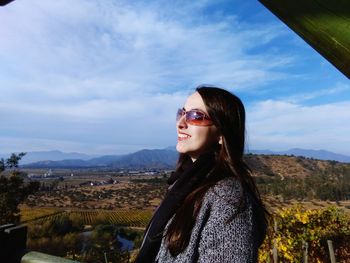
x=194 y=117
x=179 y=114
x=197 y=118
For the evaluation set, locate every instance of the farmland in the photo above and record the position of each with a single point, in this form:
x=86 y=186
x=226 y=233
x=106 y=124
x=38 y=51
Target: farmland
x=120 y=217
x=144 y=193
x=67 y=206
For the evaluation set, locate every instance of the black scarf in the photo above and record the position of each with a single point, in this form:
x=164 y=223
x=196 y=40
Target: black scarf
x=183 y=183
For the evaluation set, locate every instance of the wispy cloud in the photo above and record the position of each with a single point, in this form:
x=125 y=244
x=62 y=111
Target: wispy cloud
x=298 y=98
x=103 y=72
x=48 y=43
x=139 y=121
x=281 y=125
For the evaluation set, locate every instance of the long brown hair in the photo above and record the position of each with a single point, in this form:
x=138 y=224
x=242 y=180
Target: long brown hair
x=228 y=115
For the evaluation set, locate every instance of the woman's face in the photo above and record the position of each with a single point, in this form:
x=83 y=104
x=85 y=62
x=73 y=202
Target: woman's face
x=193 y=139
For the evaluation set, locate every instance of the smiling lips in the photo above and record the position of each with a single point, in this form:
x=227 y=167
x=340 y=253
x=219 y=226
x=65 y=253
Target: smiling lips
x=182 y=136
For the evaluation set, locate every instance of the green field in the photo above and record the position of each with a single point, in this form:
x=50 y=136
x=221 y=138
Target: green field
x=121 y=217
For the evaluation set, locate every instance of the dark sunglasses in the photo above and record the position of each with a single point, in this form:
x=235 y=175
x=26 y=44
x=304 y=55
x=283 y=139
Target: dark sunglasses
x=194 y=117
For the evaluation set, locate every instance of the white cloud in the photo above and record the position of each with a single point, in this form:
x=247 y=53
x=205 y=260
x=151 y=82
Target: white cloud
x=143 y=120
x=83 y=75
x=281 y=125
x=338 y=88
x=54 y=46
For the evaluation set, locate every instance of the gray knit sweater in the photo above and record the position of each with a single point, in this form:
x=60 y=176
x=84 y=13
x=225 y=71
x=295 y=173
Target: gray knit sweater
x=216 y=238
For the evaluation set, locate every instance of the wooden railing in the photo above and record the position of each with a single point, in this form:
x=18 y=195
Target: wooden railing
x=37 y=257
x=13 y=249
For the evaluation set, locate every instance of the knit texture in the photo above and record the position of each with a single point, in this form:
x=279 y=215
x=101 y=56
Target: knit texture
x=183 y=182
x=221 y=232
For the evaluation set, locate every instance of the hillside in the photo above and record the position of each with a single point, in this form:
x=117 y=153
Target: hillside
x=289 y=166
x=301 y=178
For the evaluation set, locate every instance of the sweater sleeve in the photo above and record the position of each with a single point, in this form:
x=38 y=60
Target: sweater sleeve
x=227 y=234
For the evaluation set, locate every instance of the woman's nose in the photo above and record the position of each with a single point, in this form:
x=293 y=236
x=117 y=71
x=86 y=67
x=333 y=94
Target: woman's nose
x=181 y=123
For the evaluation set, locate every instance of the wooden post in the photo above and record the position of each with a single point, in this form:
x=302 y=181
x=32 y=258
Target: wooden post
x=105 y=255
x=305 y=251
x=275 y=254
x=274 y=250
x=331 y=251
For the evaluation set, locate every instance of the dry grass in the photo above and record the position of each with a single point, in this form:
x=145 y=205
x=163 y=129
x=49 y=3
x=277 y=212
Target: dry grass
x=125 y=194
x=288 y=166
x=275 y=203
x=135 y=195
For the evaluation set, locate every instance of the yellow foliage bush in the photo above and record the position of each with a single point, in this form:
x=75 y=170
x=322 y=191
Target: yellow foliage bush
x=292 y=228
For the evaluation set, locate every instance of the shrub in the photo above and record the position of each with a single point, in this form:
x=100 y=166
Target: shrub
x=297 y=225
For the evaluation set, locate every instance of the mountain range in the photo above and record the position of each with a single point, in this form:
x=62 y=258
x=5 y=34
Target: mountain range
x=54 y=155
x=155 y=158
x=316 y=154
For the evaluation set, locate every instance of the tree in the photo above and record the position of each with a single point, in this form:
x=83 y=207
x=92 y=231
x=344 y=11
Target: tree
x=13 y=189
x=11 y=163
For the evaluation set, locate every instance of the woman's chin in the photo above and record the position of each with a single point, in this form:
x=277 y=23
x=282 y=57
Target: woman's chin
x=180 y=148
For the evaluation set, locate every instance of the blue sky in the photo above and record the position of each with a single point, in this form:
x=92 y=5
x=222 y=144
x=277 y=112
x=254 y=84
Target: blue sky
x=106 y=77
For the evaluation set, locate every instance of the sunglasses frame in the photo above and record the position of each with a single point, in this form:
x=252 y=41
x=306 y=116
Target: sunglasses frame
x=194 y=117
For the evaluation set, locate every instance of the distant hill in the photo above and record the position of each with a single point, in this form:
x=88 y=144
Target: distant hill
x=262 y=165
x=148 y=159
x=156 y=158
x=55 y=155
x=282 y=166
x=316 y=154
x=105 y=160
x=70 y=163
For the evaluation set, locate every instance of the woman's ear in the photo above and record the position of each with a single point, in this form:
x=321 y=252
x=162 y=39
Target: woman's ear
x=220 y=140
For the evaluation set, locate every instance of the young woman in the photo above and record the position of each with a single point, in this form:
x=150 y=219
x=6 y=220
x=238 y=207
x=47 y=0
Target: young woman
x=212 y=211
